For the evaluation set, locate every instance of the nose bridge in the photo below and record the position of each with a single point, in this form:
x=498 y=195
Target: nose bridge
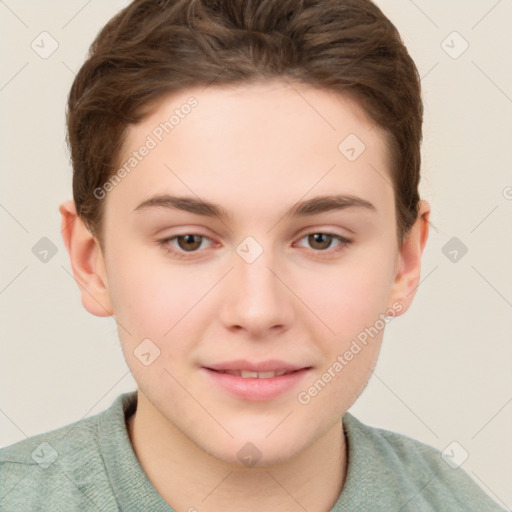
x=258 y=300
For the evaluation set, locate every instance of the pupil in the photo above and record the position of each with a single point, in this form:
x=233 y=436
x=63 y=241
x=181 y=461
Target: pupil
x=190 y=239
x=317 y=238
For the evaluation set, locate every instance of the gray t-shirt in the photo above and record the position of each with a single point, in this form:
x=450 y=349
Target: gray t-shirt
x=90 y=465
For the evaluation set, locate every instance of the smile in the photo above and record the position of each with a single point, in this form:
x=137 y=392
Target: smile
x=247 y=374
x=252 y=381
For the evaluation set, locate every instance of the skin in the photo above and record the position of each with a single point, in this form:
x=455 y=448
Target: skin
x=256 y=150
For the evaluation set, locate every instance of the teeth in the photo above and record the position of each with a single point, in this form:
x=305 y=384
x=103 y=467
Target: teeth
x=266 y=375
x=246 y=374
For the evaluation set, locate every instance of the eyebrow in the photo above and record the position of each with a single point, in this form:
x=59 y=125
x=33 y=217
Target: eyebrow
x=307 y=207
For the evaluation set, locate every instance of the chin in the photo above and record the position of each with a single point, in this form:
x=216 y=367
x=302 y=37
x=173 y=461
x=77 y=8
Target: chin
x=253 y=449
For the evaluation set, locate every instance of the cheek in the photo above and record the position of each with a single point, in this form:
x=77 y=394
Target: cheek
x=349 y=296
x=158 y=303
x=353 y=305
x=150 y=298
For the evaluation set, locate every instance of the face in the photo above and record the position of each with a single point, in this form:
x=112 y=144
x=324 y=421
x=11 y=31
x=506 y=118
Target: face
x=262 y=305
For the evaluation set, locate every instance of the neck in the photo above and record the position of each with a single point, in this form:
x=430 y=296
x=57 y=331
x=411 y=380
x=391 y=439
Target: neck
x=189 y=479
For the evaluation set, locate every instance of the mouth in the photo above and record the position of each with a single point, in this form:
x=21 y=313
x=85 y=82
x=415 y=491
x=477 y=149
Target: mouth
x=248 y=374
x=256 y=381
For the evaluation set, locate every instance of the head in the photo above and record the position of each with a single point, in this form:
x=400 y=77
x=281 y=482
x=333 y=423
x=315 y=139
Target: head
x=281 y=141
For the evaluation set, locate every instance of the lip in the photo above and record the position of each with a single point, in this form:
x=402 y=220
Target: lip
x=256 y=389
x=271 y=365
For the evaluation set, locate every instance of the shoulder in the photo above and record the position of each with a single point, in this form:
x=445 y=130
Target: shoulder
x=41 y=469
x=57 y=470
x=416 y=473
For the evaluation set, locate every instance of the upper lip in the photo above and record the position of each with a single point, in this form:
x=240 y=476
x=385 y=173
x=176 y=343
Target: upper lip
x=271 y=365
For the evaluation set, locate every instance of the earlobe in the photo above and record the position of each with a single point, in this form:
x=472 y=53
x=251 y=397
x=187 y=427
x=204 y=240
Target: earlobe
x=408 y=275
x=86 y=261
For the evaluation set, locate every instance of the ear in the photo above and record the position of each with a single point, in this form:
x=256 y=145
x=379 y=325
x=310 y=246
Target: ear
x=407 y=278
x=86 y=261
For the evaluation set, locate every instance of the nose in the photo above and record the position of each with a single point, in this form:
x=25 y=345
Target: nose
x=258 y=299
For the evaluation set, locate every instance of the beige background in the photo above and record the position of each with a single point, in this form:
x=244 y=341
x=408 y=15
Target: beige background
x=444 y=373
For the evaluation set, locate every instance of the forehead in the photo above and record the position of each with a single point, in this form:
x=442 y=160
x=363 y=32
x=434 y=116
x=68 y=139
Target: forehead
x=266 y=141
x=275 y=112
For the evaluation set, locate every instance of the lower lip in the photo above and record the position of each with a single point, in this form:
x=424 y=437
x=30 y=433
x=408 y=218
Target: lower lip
x=257 y=389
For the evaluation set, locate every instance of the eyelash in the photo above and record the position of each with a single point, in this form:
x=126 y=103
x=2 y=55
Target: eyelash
x=179 y=253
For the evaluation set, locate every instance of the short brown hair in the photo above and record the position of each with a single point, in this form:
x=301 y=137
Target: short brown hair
x=154 y=48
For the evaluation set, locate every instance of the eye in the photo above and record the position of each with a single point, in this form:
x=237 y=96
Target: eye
x=187 y=243
x=322 y=242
